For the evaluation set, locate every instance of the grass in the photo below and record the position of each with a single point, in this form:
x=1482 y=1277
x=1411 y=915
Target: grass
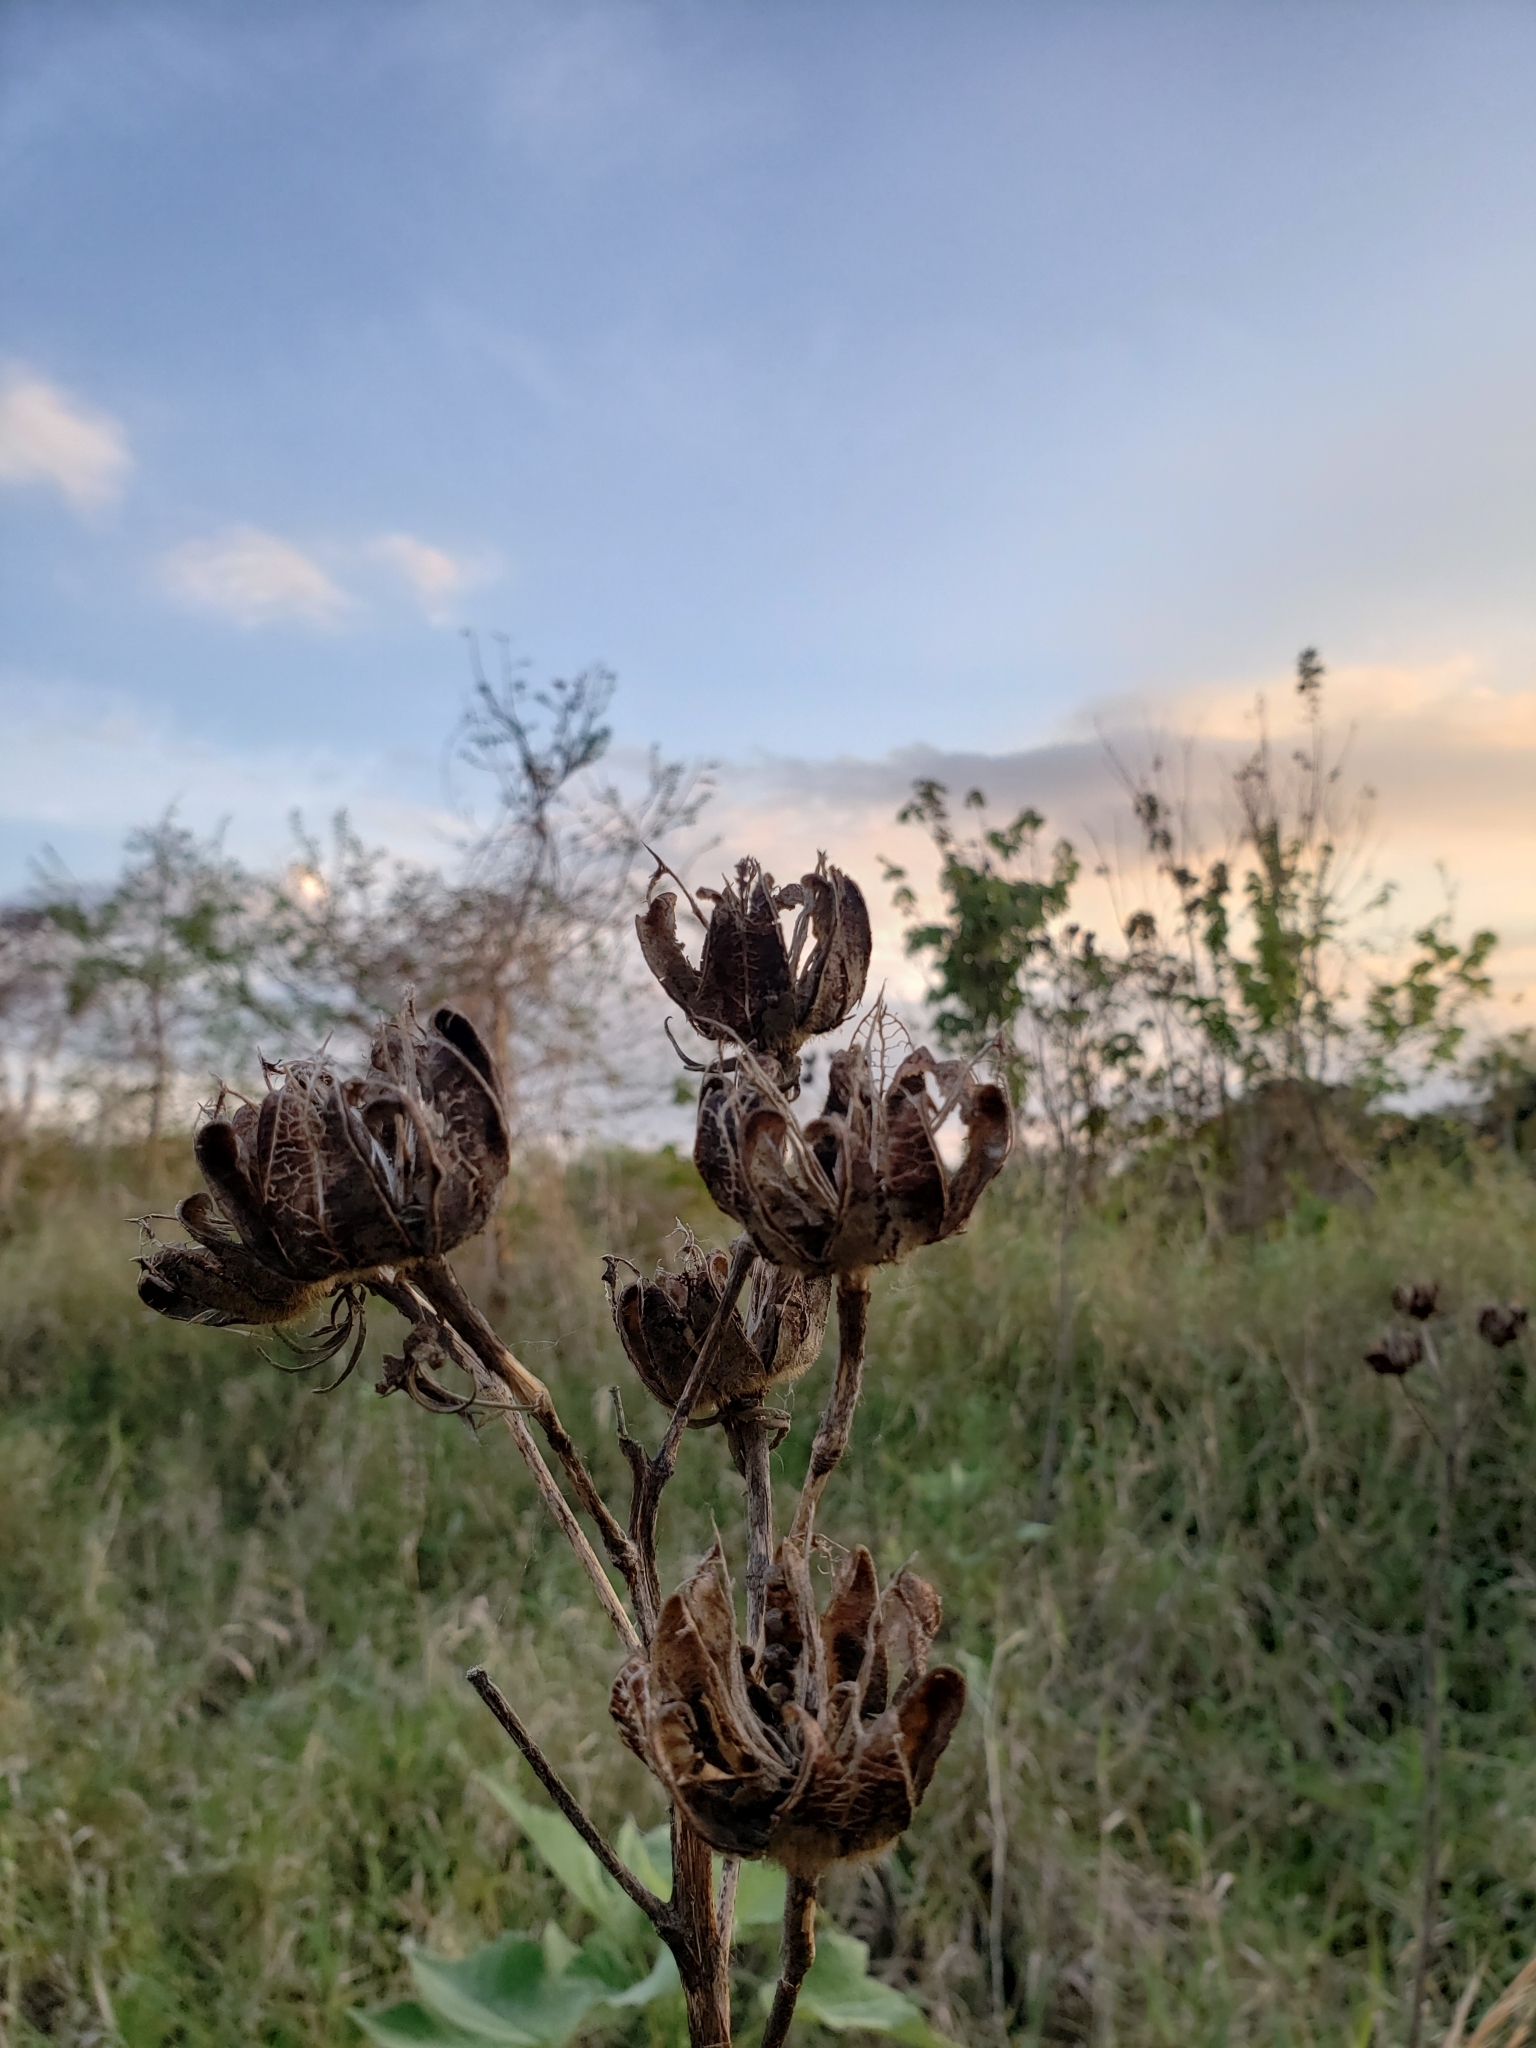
x=237 y=1755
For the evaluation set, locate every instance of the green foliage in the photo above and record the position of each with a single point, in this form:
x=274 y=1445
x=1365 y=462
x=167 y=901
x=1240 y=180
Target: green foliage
x=998 y=919
x=160 y=968
x=240 y=1772
x=526 y=1993
x=1254 y=979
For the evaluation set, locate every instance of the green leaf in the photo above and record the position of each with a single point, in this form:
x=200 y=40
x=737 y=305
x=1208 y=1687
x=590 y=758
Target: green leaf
x=648 y=1856
x=840 y=1993
x=660 y=1981
x=407 y=2025
x=503 y=1994
x=572 y=1862
x=760 y=1895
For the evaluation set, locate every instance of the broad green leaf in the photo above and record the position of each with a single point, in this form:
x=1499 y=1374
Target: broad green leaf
x=572 y=1862
x=559 y=1949
x=639 y=1853
x=840 y=1993
x=760 y=1895
x=661 y=1981
x=408 y=2025
x=502 y=1994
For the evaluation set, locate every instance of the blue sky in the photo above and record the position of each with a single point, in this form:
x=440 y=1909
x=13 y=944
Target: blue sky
x=849 y=377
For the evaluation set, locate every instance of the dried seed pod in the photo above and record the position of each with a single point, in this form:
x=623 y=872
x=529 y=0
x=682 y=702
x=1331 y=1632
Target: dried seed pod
x=862 y=1185
x=1502 y=1323
x=1419 y=1299
x=216 y=1281
x=750 y=987
x=814 y=1751
x=662 y=1322
x=329 y=1177
x=1396 y=1353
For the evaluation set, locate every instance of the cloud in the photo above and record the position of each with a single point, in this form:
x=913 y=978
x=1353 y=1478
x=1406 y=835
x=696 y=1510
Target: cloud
x=47 y=437
x=434 y=574
x=255 y=579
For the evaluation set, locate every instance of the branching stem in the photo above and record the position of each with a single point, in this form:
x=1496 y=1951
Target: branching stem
x=836 y=1424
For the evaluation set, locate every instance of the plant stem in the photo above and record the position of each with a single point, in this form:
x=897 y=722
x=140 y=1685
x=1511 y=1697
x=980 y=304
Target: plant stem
x=1434 y=1602
x=653 y=1908
x=836 y=1424
x=702 y=1952
x=795 y=1958
x=436 y=1279
x=746 y=1432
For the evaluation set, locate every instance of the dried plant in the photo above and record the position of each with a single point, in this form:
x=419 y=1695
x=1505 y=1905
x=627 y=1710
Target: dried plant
x=751 y=988
x=1450 y=1402
x=806 y=1746
x=770 y=1344
x=808 y=1740
x=864 y=1184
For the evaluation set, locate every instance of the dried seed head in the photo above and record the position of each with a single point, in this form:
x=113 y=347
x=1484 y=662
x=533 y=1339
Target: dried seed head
x=862 y=1185
x=1419 y=1299
x=1501 y=1324
x=329 y=1177
x=813 y=1751
x=751 y=988
x=662 y=1322
x=1396 y=1353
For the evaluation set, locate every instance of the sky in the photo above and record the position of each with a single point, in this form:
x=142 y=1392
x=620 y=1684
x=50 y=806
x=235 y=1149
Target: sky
x=876 y=388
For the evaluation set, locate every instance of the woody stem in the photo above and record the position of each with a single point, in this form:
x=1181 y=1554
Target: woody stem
x=746 y=1432
x=836 y=1424
x=795 y=1958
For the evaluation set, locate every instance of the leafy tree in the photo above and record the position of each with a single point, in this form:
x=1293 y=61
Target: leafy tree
x=157 y=972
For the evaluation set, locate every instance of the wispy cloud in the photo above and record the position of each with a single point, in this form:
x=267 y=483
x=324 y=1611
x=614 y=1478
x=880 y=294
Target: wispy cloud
x=48 y=437
x=254 y=578
x=432 y=573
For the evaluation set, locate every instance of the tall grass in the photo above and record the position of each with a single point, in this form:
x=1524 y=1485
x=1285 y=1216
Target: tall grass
x=237 y=1757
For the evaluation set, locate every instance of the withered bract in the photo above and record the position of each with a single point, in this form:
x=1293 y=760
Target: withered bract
x=818 y=1748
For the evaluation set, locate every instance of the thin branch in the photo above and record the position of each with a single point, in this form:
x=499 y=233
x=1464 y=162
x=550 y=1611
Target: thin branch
x=725 y=1909
x=795 y=1958
x=836 y=1424
x=655 y=1910
x=1434 y=1603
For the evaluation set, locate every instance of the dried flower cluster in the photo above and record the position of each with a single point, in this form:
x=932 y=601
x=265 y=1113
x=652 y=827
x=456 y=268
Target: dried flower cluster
x=751 y=988
x=329 y=1178
x=1396 y=1353
x=812 y=1749
x=862 y=1185
x=662 y=1322
x=810 y=1739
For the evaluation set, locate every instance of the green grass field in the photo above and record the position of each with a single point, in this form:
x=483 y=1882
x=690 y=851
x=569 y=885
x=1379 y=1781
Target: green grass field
x=237 y=1756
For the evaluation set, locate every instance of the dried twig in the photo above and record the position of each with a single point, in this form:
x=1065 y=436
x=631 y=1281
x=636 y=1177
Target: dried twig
x=836 y=1424
x=795 y=1958
x=653 y=1908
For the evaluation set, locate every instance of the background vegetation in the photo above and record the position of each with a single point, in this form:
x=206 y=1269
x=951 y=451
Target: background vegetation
x=1180 y=1530
x=237 y=1757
